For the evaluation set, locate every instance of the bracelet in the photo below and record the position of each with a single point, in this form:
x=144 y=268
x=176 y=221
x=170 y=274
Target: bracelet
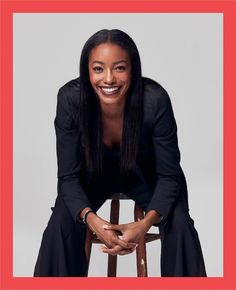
x=84 y=218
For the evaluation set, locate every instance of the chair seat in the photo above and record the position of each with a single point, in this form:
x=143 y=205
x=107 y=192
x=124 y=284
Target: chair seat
x=119 y=196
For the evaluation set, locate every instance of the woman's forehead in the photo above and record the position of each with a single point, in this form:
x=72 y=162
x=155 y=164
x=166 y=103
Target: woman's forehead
x=108 y=51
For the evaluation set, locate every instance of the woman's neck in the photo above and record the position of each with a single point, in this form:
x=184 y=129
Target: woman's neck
x=112 y=111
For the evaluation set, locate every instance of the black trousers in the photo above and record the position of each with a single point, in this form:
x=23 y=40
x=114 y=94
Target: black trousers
x=62 y=250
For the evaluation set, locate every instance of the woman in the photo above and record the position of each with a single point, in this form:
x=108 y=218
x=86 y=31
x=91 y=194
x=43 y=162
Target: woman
x=116 y=132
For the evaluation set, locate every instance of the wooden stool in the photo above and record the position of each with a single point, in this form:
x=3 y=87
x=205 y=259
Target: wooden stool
x=140 y=250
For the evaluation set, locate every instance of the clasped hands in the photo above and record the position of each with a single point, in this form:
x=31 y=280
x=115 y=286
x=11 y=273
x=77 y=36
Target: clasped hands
x=118 y=239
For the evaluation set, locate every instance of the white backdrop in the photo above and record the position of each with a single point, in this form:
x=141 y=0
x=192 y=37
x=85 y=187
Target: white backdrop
x=183 y=52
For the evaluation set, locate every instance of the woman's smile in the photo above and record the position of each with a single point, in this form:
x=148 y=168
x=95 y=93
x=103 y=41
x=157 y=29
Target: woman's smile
x=109 y=90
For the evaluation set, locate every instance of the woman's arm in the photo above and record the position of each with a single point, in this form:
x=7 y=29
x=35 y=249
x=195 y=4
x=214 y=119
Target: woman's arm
x=167 y=158
x=69 y=155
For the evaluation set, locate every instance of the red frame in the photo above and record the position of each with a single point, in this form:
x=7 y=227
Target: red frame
x=228 y=8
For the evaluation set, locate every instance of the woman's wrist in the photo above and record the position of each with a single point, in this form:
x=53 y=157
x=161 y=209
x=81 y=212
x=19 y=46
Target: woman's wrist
x=83 y=215
x=152 y=218
x=91 y=218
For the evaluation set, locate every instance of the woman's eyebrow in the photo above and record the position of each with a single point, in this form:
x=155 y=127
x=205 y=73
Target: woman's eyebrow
x=97 y=61
x=116 y=62
x=119 y=61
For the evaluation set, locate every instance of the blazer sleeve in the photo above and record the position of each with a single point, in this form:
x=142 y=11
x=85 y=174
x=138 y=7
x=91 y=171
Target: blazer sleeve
x=167 y=158
x=68 y=156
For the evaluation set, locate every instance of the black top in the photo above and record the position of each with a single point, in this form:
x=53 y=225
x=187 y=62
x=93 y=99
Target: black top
x=157 y=178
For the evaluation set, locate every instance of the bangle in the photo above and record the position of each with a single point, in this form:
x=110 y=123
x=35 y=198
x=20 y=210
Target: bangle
x=84 y=218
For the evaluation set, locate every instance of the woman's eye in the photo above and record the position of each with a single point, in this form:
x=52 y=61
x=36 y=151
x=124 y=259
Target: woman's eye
x=120 y=68
x=97 y=69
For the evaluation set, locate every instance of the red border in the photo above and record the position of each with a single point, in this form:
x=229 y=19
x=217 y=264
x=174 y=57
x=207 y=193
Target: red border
x=7 y=10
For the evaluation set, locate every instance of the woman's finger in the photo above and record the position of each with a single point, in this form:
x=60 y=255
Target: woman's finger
x=113 y=251
x=113 y=227
x=116 y=251
x=123 y=253
x=124 y=244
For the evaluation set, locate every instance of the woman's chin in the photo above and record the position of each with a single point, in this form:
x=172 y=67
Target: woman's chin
x=110 y=99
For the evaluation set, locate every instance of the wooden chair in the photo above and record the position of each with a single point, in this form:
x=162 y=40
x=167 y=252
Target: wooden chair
x=141 y=258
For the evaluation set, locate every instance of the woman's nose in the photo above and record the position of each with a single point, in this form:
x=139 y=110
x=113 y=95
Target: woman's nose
x=109 y=77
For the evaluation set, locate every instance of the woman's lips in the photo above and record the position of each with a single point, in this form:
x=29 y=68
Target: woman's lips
x=109 y=90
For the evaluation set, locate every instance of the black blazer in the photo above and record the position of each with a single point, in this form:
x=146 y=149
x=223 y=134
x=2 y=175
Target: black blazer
x=158 y=161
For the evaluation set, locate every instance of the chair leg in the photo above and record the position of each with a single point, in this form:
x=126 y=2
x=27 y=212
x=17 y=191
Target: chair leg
x=88 y=246
x=141 y=249
x=114 y=219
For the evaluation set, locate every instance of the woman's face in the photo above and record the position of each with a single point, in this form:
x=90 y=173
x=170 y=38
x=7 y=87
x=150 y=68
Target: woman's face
x=110 y=73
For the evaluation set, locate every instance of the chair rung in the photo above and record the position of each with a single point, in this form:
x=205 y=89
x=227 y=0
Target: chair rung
x=149 y=237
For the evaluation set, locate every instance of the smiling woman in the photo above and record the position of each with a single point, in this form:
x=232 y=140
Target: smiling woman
x=116 y=132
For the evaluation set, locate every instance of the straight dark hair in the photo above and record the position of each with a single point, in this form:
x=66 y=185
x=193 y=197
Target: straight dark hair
x=89 y=109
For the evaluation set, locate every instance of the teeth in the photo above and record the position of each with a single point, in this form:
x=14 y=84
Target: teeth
x=110 y=90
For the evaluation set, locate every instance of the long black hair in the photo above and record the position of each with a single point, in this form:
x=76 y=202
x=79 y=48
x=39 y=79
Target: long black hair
x=89 y=112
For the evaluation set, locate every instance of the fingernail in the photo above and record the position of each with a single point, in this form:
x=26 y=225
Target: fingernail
x=105 y=226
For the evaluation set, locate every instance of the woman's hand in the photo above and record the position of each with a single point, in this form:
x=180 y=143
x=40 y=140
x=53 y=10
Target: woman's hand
x=135 y=231
x=109 y=238
x=132 y=232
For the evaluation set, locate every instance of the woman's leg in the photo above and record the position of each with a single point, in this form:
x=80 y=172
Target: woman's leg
x=62 y=252
x=181 y=254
